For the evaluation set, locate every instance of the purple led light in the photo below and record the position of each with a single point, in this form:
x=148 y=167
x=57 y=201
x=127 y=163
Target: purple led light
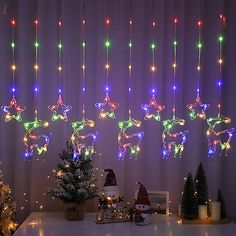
x=174 y=87
x=59 y=90
x=13 y=90
x=129 y=89
x=153 y=90
x=107 y=88
x=83 y=89
x=198 y=90
x=36 y=89
x=219 y=83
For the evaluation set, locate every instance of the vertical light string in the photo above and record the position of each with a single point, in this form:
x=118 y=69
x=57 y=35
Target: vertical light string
x=13 y=111
x=219 y=138
x=129 y=144
x=33 y=141
x=107 y=107
x=197 y=108
x=82 y=138
x=172 y=140
x=153 y=109
x=59 y=110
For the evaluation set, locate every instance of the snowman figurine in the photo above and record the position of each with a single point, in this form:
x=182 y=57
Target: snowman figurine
x=111 y=190
x=142 y=207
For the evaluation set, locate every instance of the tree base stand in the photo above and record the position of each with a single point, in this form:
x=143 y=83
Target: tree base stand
x=74 y=211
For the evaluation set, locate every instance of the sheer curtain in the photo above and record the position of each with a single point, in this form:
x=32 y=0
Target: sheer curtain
x=29 y=180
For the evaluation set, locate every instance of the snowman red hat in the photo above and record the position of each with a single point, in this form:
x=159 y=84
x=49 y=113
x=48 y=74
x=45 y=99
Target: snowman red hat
x=142 y=198
x=110 y=186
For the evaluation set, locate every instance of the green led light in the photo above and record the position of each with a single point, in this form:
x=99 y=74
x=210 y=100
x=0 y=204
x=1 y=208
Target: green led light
x=59 y=45
x=130 y=44
x=107 y=44
x=83 y=44
x=175 y=43
x=153 y=46
x=13 y=45
x=199 y=45
x=36 y=44
x=221 y=38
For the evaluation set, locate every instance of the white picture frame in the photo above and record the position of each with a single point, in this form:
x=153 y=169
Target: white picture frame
x=159 y=201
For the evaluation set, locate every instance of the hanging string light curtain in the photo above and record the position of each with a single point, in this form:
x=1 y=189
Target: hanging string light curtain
x=83 y=139
x=197 y=108
x=152 y=109
x=107 y=107
x=219 y=139
x=129 y=144
x=33 y=141
x=172 y=140
x=13 y=110
x=59 y=110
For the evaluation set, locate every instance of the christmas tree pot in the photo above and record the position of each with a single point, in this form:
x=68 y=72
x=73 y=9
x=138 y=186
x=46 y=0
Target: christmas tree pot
x=74 y=211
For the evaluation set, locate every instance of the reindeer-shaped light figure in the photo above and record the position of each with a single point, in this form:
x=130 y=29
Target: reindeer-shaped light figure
x=129 y=141
x=31 y=141
x=83 y=142
x=173 y=141
x=221 y=138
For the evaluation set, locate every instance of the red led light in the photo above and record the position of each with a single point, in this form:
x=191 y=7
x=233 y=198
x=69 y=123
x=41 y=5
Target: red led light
x=59 y=23
x=36 y=21
x=153 y=23
x=107 y=21
x=199 y=23
x=130 y=22
x=175 y=20
x=83 y=22
x=13 y=22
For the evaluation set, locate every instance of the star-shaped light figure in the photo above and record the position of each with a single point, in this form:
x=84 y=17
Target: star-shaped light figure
x=173 y=141
x=129 y=142
x=83 y=142
x=197 y=109
x=63 y=109
x=107 y=108
x=13 y=111
x=219 y=137
x=152 y=109
x=35 y=142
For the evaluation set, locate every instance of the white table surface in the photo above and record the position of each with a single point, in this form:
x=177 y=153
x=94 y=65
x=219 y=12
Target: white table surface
x=54 y=224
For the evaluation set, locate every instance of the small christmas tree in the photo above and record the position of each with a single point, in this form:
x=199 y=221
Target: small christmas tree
x=75 y=177
x=201 y=186
x=220 y=199
x=189 y=199
x=7 y=210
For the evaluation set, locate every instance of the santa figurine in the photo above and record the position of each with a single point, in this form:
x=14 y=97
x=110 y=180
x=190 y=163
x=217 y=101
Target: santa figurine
x=142 y=207
x=111 y=190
